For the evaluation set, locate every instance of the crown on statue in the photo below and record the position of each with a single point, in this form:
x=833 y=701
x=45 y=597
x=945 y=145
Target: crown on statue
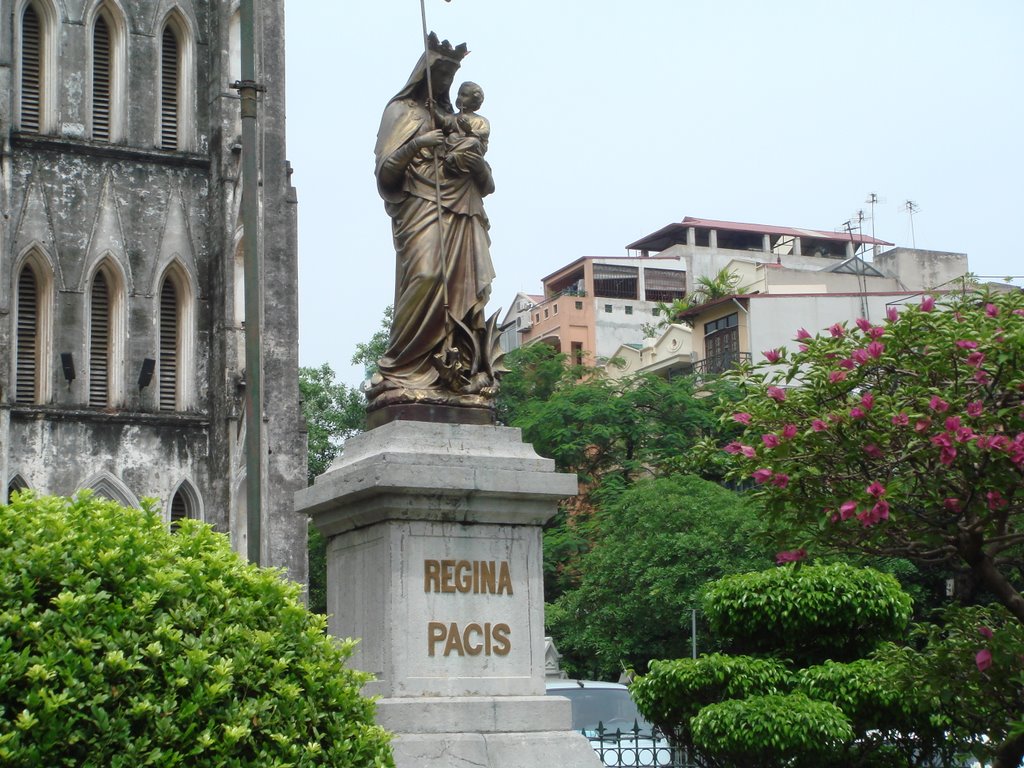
x=445 y=50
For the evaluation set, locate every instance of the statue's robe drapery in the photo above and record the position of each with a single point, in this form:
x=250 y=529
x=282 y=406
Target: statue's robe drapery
x=419 y=329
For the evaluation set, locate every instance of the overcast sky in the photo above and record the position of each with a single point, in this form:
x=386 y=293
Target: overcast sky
x=610 y=120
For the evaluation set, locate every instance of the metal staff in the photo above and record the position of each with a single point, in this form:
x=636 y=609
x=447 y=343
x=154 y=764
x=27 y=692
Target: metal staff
x=442 y=256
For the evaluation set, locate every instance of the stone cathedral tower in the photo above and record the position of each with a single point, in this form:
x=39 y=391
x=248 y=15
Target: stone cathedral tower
x=121 y=302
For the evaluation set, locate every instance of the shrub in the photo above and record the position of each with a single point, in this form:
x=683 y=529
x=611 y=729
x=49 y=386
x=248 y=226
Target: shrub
x=122 y=644
x=809 y=613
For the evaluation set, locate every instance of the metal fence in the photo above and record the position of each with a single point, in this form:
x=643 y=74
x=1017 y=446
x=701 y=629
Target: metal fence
x=635 y=748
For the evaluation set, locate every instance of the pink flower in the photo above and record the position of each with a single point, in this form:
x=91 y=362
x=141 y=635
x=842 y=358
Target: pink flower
x=834 y=377
x=733 y=448
x=778 y=394
x=860 y=356
x=863 y=324
x=770 y=440
x=857 y=412
x=964 y=434
x=876 y=332
x=761 y=475
x=952 y=505
x=1019 y=312
x=892 y=314
x=818 y=425
x=790 y=556
x=875 y=349
x=846 y=363
x=922 y=425
x=874 y=515
x=975 y=408
x=927 y=303
x=983 y=659
x=965 y=344
x=938 y=405
x=991 y=310
x=873 y=451
x=802 y=334
x=947 y=456
x=900 y=420
x=868 y=401
x=781 y=479
x=876 y=489
x=995 y=500
x=942 y=441
x=772 y=355
x=985 y=632
x=837 y=330
x=980 y=376
x=789 y=431
x=952 y=423
x=847 y=509
x=742 y=418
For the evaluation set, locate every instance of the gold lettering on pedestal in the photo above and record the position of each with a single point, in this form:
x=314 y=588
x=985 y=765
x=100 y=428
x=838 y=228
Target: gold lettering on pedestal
x=476 y=577
x=468 y=577
x=488 y=639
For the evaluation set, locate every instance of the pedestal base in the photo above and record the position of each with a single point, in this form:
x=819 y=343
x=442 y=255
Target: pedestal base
x=493 y=732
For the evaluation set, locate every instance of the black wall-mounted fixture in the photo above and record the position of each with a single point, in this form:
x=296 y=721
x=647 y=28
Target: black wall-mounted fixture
x=67 y=362
x=146 y=374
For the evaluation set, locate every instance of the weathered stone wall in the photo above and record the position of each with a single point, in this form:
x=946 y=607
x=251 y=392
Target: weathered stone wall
x=77 y=201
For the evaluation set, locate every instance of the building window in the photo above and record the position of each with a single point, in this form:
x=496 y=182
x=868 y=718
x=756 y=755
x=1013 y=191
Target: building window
x=27 y=338
x=537 y=317
x=608 y=308
x=577 y=352
x=184 y=504
x=629 y=309
x=546 y=314
x=99 y=342
x=664 y=284
x=722 y=343
x=16 y=485
x=615 y=281
x=101 y=79
x=555 y=309
x=35 y=68
x=108 y=62
x=105 y=335
x=169 y=346
x=170 y=88
x=656 y=311
x=579 y=305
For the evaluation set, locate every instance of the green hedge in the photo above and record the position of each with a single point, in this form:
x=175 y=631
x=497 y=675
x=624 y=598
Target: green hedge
x=124 y=645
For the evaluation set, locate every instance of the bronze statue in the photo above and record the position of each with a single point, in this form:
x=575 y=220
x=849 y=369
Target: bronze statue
x=432 y=174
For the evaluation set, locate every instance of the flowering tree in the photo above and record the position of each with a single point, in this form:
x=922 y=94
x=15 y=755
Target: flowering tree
x=902 y=438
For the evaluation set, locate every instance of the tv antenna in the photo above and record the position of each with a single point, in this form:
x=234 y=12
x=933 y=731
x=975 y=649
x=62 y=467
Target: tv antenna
x=872 y=200
x=911 y=208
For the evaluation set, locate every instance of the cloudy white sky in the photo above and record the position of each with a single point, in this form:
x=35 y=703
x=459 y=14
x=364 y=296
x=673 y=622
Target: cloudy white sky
x=612 y=119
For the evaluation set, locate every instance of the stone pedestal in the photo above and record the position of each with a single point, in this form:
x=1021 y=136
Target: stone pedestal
x=434 y=562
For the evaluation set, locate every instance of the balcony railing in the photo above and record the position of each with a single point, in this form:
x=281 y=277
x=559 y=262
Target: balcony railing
x=719 y=364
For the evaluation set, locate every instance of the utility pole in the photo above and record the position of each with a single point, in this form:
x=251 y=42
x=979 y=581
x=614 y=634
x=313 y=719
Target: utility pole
x=248 y=89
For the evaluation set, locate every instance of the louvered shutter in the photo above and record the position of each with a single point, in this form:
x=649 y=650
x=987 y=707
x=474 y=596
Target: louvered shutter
x=169 y=87
x=99 y=343
x=179 y=509
x=27 y=337
x=31 y=69
x=168 y=347
x=101 y=80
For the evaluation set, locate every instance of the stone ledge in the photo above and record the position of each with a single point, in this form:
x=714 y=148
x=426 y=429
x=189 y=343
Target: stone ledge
x=477 y=714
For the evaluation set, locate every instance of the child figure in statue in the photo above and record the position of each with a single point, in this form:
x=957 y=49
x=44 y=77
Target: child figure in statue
x=468 y=132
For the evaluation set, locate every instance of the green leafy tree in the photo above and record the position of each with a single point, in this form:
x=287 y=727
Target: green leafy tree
x=369 y=352
x=122 y=644
x=333 y=413
x=901 y=439
x=792 y=703
x=655 y=547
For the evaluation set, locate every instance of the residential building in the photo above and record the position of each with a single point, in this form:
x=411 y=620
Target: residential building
x=788 y=278
x=595 y=304
x=121 y=306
